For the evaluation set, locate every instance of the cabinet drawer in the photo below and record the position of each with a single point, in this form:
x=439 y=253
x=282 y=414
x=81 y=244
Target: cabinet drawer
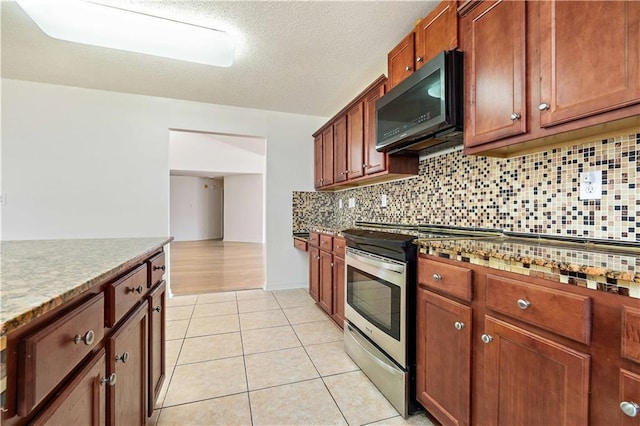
x=631 y=334
x=557 y=311
x=326 y=242
x=125 y=293
x=300 y=244
x=48 y=355
x=339 y=245
x=156 y=269
x=314 y=239
x=449 y=279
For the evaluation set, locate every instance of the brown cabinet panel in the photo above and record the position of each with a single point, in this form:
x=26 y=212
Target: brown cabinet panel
x=631 y=334
x=374 y=161
x=124 y=293
x=314 y=272
x=557 y=311
x=339 y=246
x=515 y=394
x=355 y=140
x=438 y=31
x=630 y=393
x=338 y=290
x=326 y=242
x=317 y=161
x=495 y=73
x=157 y=350
x=340 y=150
x=314 y=239
x=443 y=362
x=49 y=354
x=300 y=244
x=127 y=357
x=156 y=269
x=82 y=401
x=589 y=58
x=326 y=281
x=449 y=279
x=327 y=156
x=400 y=61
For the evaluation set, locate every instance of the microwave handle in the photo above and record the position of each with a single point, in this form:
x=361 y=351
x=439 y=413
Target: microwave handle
x=384 y=265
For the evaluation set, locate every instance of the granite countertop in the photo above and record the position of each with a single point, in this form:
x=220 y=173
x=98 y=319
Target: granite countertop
x=39 y=275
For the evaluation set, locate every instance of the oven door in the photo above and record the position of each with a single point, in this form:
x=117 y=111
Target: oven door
x=375 y=294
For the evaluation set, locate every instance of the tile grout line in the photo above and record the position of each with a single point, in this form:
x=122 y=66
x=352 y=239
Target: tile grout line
x=244 y=362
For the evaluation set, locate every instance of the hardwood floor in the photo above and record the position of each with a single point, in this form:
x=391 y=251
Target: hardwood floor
x=215 y=265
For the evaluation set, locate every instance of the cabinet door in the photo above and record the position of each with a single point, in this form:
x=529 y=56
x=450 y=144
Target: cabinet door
x=156 y=301
x=530 y=380
x=314 y=273
x=438 y=31
x=340 y=149
x=495 y=91
x=589 y=58
x=82 y=401
x=400 y=61
x=327 y=156
x=338 y=290
x=326 y=281
x=355 y=140
x=317 y=161
x=374 y=161
x=127 y=355
x=443 y=371
x=630 y=397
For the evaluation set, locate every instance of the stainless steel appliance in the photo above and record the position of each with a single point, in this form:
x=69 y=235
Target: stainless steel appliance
x=379 y=332
x=423 y=113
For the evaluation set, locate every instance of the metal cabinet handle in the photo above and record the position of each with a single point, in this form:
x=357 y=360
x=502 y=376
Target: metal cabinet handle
x=419 y=59
x=515 y=116
x=544 y=106
x=437 y=277
x=458 y=325
x=87 y=339
x=138 y=289
x=486 y=338
x=631 y=409
x=157 y=308
x=111 y=380
x=156 y=267
x=124 y=357
x=523 y=304
x=407 y=68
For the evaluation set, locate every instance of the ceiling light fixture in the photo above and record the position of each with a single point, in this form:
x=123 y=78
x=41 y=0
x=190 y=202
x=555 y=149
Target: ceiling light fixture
x=100 y=25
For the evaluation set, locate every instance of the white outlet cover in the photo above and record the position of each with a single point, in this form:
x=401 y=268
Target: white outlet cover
x=383 y=200
x=591 y=185
x=352 y=202
x=340 y=203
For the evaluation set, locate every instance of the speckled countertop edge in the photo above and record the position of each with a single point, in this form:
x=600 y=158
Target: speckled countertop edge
x=36 y=276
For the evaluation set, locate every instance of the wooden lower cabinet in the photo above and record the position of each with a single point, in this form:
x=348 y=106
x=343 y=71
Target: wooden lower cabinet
x=629 y=398
x=338 y=290
x=81 y=402
x=326 y=281
x=157 y=351
x=314 y=273
x=127 y=355
x=443 y=374
x=531 y=380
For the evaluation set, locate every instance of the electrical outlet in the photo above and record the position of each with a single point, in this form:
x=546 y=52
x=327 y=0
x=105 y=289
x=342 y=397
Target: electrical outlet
x=340 y=203
x=591 y=185
x=383 y=200
x=352 y=202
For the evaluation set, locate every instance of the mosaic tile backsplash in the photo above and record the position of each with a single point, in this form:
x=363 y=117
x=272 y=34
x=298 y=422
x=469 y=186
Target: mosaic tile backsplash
x=535 y=193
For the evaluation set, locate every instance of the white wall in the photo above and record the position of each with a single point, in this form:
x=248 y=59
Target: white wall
x=195 y=208
x=80 y=163
x=243 y=208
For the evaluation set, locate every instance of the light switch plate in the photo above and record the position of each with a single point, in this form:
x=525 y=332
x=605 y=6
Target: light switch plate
x=383 y=200
x=340 y=203
x=591 y=185
x=352 y=202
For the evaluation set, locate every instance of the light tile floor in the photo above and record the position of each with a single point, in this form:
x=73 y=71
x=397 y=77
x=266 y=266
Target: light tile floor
x=263 y=358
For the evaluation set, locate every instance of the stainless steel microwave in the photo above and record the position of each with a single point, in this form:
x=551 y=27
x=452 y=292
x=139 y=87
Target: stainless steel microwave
x=424 y=112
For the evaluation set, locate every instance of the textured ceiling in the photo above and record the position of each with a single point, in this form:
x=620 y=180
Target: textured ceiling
x=302 y=57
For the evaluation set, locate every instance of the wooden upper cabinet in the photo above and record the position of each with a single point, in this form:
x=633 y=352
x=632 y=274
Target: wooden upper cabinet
x=400 y=61
x=438 y=31
x=589 y=58
x=495 y=73
x=374 y=161
x=317 y=161
x=355 y=140
x=327 y=156
x=340 y=149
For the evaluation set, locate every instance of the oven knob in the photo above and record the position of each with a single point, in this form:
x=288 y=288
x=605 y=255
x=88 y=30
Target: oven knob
x=458 y=325
x=437 y=277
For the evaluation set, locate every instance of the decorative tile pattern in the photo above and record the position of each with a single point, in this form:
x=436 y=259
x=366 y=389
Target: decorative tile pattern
x=535 y=193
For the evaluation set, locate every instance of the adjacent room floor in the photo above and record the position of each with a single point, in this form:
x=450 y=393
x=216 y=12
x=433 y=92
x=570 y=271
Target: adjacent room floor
x=215 y=265
x=263 y=358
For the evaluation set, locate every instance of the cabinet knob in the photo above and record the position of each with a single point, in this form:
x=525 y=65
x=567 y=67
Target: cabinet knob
x=157 y=308
x=458 y=325
x=419 y=59
x=515 y=116
x=111 y=380
x=138 y=289
x=156 y=267
x=631 y=409
x=407 y=68
x=486 y=338
x=523 y=304
x=544 y=106
x=87 y=339
x=332 y=264
x=124 y=357
x=437 y=277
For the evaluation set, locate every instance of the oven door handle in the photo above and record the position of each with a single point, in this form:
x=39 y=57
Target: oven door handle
x=355 y=334
x=384 y=265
